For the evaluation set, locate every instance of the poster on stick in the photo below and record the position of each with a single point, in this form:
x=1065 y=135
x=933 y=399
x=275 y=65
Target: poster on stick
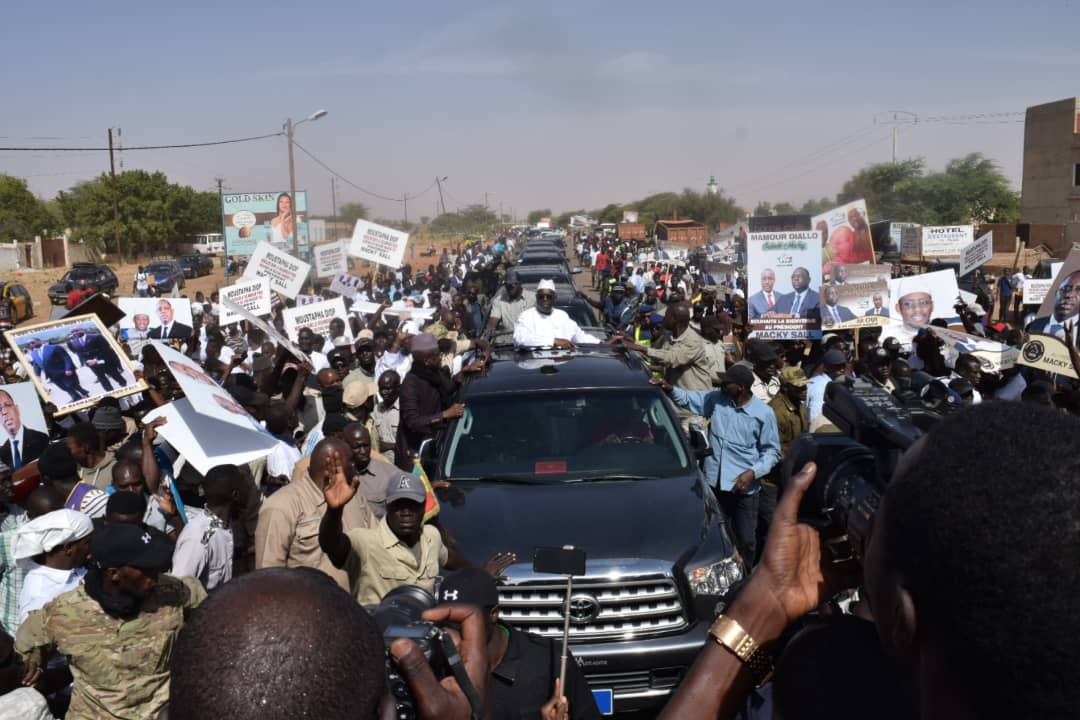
x=331 y=259
x=857 y=296
x=784 y=271
x=976 y=254
x=845 y=236
x=316 y=316
x=378 y=243
x=252 y=295
x=285 y=273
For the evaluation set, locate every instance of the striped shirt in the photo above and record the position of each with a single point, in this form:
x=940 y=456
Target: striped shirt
x=11 y=582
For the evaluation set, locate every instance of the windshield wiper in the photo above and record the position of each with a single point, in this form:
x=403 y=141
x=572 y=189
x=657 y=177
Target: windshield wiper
x=508 y=479
x=610 y=478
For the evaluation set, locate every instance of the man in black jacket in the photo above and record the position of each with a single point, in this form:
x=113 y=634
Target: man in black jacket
x=426 y=399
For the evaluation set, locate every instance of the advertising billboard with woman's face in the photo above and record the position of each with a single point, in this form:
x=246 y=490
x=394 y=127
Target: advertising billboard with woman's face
x=253 y=217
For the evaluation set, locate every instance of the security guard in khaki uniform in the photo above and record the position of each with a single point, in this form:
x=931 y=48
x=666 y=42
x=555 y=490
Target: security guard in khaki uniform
x=118 y=628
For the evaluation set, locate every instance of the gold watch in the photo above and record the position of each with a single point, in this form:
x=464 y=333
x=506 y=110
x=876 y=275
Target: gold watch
x=728 y=633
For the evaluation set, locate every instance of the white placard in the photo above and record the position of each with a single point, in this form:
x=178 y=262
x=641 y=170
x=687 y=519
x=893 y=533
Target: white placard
x=976 y=254
x=269 y=329
x=1035 y=291
x=252 y=295
x=316 y=316
x=286 y=273
x=331 y=259
x=205 y=441
x=378 y=243
x=398 y=309
x=945 y=240
x=345 y=284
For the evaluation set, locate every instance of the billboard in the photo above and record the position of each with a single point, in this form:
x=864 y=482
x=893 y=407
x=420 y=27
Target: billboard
x=845 y=236
x=784 y=270
x=946 y=240
x=253 y=217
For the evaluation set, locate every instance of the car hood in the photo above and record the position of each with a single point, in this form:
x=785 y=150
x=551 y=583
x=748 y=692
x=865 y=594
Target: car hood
x=660 y=519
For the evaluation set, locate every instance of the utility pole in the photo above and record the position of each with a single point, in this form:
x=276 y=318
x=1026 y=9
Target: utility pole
x=405 y=200
x=895 y=142
x=896 y=118
x=438 y=181
x=292 y=190
x=115 y=199
x=485 y=201
x=333 y=202
x=224 y=234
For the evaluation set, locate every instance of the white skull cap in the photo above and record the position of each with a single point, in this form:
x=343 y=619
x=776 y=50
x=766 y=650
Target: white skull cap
x=546 y=285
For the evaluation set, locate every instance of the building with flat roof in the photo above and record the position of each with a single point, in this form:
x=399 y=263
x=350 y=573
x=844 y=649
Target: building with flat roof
x=1051 y=182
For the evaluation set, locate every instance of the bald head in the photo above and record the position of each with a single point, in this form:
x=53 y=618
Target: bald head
x=278 y=642
x=324 y=450
x=44 y=499
x=327 y=377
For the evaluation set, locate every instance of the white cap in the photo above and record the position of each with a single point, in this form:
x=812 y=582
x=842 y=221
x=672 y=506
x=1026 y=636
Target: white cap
x=546 y=285
x=49 y=531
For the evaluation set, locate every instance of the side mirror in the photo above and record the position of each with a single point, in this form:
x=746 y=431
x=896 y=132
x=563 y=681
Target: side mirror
x=699 y=442
x=427 y=452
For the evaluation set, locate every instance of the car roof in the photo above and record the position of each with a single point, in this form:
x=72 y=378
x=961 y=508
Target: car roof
x=585 y=367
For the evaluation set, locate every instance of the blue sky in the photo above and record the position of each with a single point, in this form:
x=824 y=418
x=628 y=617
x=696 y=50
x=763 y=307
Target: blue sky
x=562 y=105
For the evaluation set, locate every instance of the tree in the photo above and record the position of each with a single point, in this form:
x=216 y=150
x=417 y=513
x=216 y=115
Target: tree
x=472 y=219
x=22 y=215
x=890 y=189
x=536 y=215
x=425 y=219
x=816 y=207
x=763 y=209
x=350 y=212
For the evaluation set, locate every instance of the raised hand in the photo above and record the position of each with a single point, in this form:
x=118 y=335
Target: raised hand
x=339 y=488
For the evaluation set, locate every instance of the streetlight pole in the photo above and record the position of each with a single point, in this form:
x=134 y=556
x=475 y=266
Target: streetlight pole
x=289 y=126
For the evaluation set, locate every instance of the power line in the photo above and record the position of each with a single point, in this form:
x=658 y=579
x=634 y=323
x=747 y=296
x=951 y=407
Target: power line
x=350 y=183
x=142 y=147
x=832 y=160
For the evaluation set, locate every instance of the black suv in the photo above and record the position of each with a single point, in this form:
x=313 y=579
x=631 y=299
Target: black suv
x=94 y=275
x=196 y=265
x=577 y=448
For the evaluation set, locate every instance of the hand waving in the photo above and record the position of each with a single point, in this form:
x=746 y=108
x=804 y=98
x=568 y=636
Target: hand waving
x=339 y=488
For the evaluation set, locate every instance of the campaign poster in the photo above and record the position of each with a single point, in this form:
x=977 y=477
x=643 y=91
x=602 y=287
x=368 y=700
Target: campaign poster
x=252 y=295
x=305 y=299
x=285 y=272
x=251 y=218
x=155 y=318
x=345 y=284
x=993 y=356
x=317 y=317
x=379 y=244
x=266 y=327
x=856 y=296
x=73 y=363
x=24 y=433
x=976 y=254
x=845 y=236
x=1061 y=306
x=946 y=240
x=918 y=299
x=331 y=259
x=1048 y=353
x=784 y=270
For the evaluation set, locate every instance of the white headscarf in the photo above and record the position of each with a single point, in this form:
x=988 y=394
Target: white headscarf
x=50 y=531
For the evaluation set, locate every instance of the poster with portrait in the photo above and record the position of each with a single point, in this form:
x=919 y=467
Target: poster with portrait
x=24 y=433
x=154 y=319
x=345 y=284
x=993 y=356
x=378 y=243
x=74 y=362
x=207 y=426
x=285 y=272
x=784 y=280
x=857 y=296
x=331 y=258
x=252 y=295
x=1061 y=306
x=316 y=316
x=918 y=299
x=846 y=238
x=251 y=218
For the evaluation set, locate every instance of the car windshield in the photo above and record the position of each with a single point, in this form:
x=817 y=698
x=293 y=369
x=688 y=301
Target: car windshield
x=565 y=436
x=159 y=268
x=75 y=275
x=579 y=314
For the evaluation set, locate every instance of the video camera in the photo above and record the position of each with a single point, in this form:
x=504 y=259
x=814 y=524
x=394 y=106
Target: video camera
x=398 y=616
x=855 y=466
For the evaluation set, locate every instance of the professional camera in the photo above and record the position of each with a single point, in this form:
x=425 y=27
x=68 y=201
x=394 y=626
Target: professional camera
x=854 y=466
x=398 y=616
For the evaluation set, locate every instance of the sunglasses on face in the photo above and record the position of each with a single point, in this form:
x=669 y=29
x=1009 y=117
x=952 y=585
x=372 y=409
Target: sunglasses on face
x=545 y=296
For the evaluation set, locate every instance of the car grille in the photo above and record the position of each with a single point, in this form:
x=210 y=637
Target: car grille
x=636 y=681
x=625 y=608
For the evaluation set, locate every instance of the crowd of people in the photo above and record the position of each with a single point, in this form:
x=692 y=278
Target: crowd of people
x=133 y=584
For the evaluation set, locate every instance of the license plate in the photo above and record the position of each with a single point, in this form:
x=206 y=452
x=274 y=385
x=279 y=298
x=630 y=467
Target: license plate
x=605 y=701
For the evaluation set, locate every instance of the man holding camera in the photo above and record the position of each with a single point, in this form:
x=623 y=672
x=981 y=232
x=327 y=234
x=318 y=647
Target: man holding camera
x=972 y=592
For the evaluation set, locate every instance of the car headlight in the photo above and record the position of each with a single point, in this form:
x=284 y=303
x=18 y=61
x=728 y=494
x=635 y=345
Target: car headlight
x=716 y=578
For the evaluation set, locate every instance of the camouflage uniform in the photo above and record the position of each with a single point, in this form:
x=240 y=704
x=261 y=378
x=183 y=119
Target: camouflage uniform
x=121 y=667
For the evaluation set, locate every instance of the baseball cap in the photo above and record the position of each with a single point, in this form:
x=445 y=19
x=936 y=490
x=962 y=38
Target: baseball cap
x=738 y=374
x=879 y=356
x=357 y=393
x=792 y=375
x=835 y=357
x=405 y=486
x=134 y=545
x=469 y=586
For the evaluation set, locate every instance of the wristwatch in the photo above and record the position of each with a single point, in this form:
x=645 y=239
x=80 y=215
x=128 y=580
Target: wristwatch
x=728 y=633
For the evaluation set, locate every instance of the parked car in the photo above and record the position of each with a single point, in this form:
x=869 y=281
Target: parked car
x=20 y=298
x=166 y=274
x=576 y=448
x=196 y=265
x=96 y=276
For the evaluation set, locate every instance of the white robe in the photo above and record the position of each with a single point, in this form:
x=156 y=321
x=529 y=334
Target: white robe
x=534 y=329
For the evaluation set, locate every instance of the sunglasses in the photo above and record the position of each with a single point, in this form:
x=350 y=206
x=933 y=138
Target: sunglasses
x=546 y=295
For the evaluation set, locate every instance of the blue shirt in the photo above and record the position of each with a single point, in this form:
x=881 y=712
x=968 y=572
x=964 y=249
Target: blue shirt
x=815 y=395
x=742 y=438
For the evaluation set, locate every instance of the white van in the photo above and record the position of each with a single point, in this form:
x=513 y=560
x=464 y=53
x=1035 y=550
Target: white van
x=205 y=244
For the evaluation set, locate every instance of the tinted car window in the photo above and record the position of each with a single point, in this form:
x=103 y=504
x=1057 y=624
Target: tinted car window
x=566 y=436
